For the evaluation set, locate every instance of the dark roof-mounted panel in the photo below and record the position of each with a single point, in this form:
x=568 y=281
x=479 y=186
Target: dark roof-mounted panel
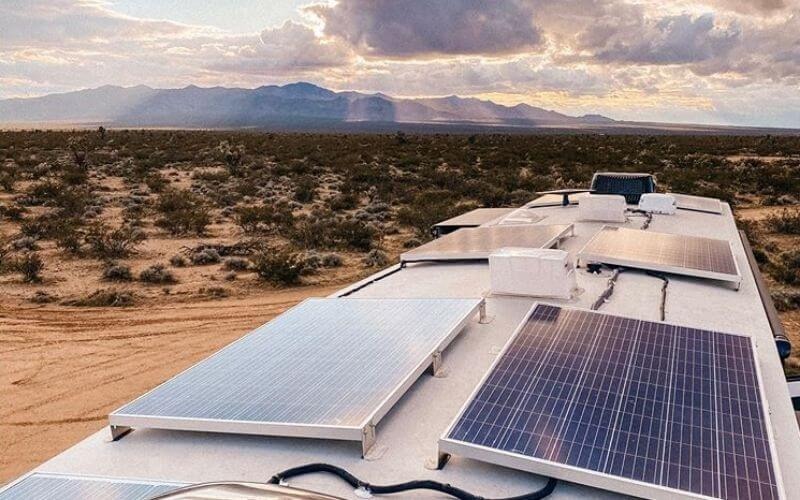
x=631 y=185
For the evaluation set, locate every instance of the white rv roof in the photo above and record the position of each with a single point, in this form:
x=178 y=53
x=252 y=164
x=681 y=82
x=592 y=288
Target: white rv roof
x=406 y=444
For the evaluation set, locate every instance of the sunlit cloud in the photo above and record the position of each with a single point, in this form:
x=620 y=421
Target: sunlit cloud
x=730 y=61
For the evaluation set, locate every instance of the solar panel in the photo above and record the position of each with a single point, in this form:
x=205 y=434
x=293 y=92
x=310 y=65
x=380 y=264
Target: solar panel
x=697 y=203
x=473 y=218
x=48 y=486
x=478 y=243
x=670 y=253
x=554 y=200
x=327 y=368
x=647 y=409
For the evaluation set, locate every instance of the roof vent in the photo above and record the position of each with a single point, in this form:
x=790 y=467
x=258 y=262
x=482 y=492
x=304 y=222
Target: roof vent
x=631 y=186
x=657 y=203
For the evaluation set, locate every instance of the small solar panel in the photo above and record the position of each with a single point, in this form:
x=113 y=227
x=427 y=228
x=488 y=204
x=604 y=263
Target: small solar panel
x=327 y=368
x=671 y=253
x=473 y=218
x=478 y=243
x=647 y=409
x=697 y=203
x=48 y=486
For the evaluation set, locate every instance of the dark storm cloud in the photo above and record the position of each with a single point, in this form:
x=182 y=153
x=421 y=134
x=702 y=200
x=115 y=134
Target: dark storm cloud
x=680 y=39
x=399 y=28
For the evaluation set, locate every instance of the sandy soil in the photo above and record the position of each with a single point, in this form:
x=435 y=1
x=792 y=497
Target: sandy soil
x=62 y=369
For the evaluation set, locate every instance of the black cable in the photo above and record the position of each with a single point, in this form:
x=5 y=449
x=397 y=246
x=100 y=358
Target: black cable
x=663 y=291
x=648 y=216
x=368 y=283
x=609 y=291
x=400 y=487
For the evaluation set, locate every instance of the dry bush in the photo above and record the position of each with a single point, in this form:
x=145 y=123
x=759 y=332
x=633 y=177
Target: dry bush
x=788 y=222
x=117 y=272
x=103 y=298
x=178 y=260
x=279 y=267
x=205 y=257
x=158 y=274
x=237 y=264
x=182 y=212
x=30 y=265
x=264 y=218
x=108 y=243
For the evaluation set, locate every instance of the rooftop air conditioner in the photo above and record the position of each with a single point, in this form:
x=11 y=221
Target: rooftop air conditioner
x=532 y=272
x=631 y=186
x=658 y=203
x=605 y=208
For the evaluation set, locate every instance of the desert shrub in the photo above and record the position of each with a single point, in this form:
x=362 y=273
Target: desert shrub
x=205 y=256
x=24 y=243
x=280 y=267
x=157 y=273
x=263 y=217
x=305 y=189
x=786 y=300
x=788 y=222
x=215 y=292
x=230 y=276
x=42 y=297
x=237 y=264
x=412 y=243
x=156 y=182
x=353 y=233
x=331 y=260
x=376 y=258
x=344 y=201
x=117 y=272
x=182 y=212
x=13 y=212
x=786 y=267
x=178 y=260
x=30 y=265
x=103 y=298
x=108 y=243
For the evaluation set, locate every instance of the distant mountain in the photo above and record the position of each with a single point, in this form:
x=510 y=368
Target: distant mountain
x=268 y=106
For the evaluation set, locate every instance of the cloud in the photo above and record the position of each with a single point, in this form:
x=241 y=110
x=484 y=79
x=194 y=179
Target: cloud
x=293 y=48
x=679 y=39
x=402 y=28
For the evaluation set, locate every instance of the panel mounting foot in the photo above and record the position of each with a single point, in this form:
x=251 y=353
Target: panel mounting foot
x=119 y=431
x=367 y=439
x=482 y=317
x=441 y=460
x=436 y=364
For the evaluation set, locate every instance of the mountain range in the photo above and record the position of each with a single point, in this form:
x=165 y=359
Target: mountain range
x=269 y=107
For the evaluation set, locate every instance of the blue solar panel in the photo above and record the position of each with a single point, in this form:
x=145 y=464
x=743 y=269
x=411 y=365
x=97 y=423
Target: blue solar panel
x=44 y=486
x=670 y=407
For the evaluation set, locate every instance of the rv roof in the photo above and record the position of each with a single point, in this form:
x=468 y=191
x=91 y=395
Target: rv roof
x=406 y=444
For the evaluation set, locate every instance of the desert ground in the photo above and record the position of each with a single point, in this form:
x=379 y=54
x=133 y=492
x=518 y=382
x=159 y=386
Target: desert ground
x=126 y=256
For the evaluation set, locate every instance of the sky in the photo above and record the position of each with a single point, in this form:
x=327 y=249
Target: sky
x=734 y=62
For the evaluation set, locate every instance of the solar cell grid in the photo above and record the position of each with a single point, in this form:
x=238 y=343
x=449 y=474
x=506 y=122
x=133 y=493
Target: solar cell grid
x=325 y=368
x=698 y=203
x=662 y=405
x=478 y=243
x=680 y=254
x=42 y=486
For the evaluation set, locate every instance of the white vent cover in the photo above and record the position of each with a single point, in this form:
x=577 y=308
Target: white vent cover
x=602 y=207
x=533 y=272
x=658 y=203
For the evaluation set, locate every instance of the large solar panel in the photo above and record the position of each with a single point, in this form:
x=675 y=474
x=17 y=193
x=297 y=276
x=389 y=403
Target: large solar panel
x=327 y=368
x=671 y=253
x=697 y=203
x=47 y=486
x=478 y=243
x=642 y=408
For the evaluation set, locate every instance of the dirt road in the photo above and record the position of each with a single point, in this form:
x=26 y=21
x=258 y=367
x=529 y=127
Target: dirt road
x=63 y=369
